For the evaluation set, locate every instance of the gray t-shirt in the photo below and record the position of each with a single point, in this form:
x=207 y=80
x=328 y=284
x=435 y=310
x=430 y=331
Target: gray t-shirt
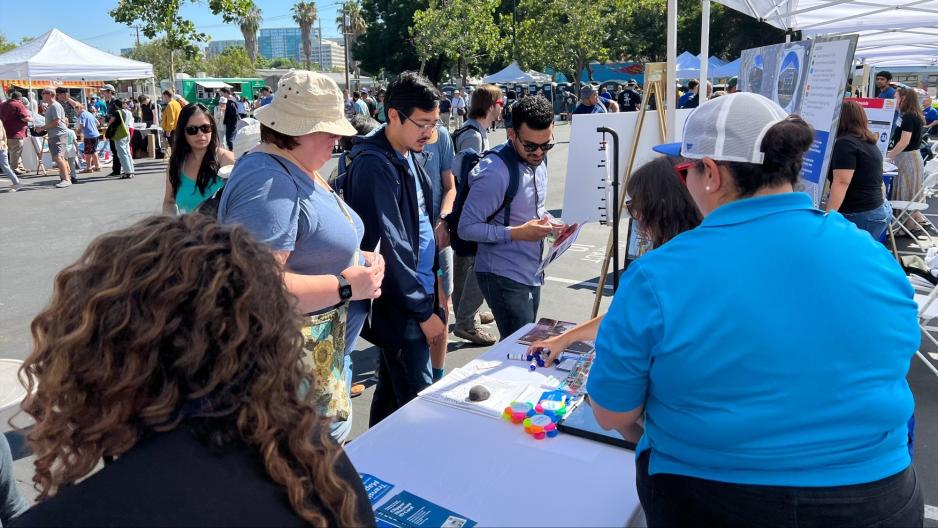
x=55 y=111
x=476 y=138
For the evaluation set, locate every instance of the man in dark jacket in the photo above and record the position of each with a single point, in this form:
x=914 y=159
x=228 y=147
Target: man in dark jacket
x=392 y=194
x=231 y=117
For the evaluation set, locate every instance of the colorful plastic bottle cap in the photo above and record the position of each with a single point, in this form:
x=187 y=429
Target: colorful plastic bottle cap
x=537 y=423
x=518 y=411
x=540 y=436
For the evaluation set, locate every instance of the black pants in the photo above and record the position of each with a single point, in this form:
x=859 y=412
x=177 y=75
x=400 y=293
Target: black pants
x=115 y=159
x=229 y=136
x=676 y=500
x=402 y=373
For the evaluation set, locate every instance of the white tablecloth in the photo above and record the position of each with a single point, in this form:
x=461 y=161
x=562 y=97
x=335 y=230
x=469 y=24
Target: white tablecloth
x=490 y=470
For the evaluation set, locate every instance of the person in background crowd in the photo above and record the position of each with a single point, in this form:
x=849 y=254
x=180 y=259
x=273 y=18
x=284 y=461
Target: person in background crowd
x=15 y=118
x=99 y=105
x=68 y=104
x=108 y=93
x=232 y=114
x=243 y=105
x=510 y=250
x=266 y=98
x=170 y=116
x=467 y=297
x=12 y=502
x=437 y=162
x=361 y=107
x=198 y=390
x=192 y=175
x=662 y=208
x=277 y=193
x=856 y=173
x=445 y=106
x=117 y=118
x=370 y=102
x=611 y=106
x=458 y=109
x=147 y=110
x=8 y=172
x=695 y=98
x=905 y=154
x=883 y=90
x=731 y=86
x=88 y=124
x=71 y=153
x=219 y=117
x=381 y=115
x=931 y=116
x=589 y=101
x=692 y=87
x=364 y=126
x=57 y=129
x=802 y=428
x=391 y=191
x=349 y=105
x=629 y=99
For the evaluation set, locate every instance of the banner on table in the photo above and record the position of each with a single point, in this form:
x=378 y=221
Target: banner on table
x=879 y=117
x=807 y=78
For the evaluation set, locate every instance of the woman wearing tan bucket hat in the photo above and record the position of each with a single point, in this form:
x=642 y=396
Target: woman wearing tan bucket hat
x=276 y=192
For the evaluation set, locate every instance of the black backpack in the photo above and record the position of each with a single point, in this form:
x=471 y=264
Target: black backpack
x=471 y=158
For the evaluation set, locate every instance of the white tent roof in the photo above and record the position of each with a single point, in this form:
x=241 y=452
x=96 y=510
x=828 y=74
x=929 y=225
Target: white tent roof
x=514 y=74
x=907 y=61
x=814 y=17
x=57 y=56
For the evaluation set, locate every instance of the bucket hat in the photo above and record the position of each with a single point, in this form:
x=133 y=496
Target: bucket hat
x=306 y=102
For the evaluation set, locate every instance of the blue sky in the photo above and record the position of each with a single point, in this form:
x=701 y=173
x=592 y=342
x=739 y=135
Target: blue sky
x=95 y=27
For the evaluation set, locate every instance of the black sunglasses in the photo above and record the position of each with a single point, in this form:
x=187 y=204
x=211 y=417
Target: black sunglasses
x=532 y=147
x=205 y=129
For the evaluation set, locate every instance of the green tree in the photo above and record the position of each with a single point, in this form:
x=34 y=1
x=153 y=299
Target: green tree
x=459 y=30
x=161 y=18
x=283 y=63
x=304 y=14
x=232 y=62
x=157 y=53
x=351 y=12
x=387 y=43
x=249 y=24
x=6 y=45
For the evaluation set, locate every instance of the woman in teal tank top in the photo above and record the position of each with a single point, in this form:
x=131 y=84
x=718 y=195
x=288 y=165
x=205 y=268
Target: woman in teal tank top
x=194 y=163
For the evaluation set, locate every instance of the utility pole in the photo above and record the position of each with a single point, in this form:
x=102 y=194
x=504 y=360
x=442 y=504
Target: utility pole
x=345 y=25
x=514 y=23
x=322 y=65
x=137 y=27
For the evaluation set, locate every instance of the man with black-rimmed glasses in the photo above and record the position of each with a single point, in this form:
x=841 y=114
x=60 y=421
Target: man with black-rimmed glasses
x=510 y=232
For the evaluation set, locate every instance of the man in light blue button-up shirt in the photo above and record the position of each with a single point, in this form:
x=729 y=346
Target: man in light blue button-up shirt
x=509 y=257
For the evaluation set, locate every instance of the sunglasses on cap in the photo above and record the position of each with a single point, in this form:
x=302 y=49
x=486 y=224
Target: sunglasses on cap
x=205 y=129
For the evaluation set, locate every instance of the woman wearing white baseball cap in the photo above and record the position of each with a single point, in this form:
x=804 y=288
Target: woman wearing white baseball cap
x=771 y=378
x=276 y=192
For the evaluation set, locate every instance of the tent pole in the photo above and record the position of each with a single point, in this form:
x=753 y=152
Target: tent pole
x=704 y=43
x=670 y=90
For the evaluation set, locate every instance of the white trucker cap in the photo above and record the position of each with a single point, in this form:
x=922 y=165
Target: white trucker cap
x=728 y=128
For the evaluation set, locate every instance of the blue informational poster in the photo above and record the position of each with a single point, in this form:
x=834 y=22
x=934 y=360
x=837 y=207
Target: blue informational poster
x=807 y=78
x=375 y=487
x=406 y=510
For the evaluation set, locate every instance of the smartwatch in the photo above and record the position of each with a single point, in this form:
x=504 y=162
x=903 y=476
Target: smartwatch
x=345 y=289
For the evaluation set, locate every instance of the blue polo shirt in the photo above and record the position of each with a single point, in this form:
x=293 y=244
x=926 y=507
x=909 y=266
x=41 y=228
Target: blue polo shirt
x=769 y=346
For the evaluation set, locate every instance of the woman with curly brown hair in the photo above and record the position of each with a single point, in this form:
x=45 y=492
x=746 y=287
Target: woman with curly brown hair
x=171 y=352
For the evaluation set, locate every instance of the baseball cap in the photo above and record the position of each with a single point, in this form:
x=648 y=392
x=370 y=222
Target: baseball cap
x=733 y=82
x=728 y=128
x=587 y=91
x=108 y=87
x=631 y=82
x=364 y=90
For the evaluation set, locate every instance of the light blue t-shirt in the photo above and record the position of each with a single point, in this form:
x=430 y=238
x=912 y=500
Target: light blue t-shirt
x=361 y=107
x=437 y=158
x=89 y=125
x=427 y=244
x=289 y=212
x=769 y=346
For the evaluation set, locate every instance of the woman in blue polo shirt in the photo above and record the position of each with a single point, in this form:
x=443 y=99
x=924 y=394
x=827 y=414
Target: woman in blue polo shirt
x=772 y=383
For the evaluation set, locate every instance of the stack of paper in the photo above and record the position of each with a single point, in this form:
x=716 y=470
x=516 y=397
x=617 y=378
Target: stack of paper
x=453 y=390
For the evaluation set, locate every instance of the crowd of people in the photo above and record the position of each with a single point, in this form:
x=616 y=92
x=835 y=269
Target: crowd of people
x=210 y=347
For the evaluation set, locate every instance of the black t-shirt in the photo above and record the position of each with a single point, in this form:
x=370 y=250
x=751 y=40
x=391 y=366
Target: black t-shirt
x=866 y=161
x=172 y=479
x=445 y=105
x=629 y=100
x=147 y=112
x=909 y=123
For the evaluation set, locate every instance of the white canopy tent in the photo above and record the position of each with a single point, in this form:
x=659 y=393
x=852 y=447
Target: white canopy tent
x=815 y=17
x=57 y=56
x=514 y=74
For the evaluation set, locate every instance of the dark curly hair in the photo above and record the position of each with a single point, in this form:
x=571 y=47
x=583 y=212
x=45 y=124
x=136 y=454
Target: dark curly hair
x=661 y=202
x=177 y=322
x=536 y=112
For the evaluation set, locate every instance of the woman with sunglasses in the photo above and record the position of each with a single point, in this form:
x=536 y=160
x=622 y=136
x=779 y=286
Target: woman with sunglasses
x=771 y=382
x=194 y=163
x=662 y=209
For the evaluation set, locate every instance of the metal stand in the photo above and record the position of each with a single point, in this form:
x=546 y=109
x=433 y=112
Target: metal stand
x=615 y=203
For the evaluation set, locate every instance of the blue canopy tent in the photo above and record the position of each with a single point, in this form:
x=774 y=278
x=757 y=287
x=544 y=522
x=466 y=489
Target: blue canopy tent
x=730 y=69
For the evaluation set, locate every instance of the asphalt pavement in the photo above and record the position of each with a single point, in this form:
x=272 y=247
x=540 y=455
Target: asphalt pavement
x=43 y=229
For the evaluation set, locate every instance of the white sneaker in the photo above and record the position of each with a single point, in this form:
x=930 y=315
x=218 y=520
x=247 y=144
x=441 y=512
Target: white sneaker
x=63 y=184
x=17 y=187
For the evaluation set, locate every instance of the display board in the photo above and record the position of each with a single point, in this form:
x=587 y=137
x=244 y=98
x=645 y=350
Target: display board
x=807 y=78
x=879 y=117
x=587 y=189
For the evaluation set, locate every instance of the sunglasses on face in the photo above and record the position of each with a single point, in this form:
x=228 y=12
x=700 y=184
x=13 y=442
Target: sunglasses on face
x=193 y=130
x=532 y=147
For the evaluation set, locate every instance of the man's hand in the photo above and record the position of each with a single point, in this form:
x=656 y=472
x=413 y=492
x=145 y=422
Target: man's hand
x=532 y=230
x=434 y=330
x=441 y=232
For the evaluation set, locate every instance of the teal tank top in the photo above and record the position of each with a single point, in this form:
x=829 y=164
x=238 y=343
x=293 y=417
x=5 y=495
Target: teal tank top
x=188 y=197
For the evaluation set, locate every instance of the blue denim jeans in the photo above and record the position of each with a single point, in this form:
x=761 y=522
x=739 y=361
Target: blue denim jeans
x=513 y=304
x=873 y=221
x=402 y=373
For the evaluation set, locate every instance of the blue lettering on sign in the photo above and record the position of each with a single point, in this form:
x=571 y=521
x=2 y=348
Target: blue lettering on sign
x=814 y=158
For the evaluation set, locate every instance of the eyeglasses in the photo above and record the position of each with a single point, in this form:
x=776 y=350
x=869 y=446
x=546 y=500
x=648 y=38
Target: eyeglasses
x=681 y=170
x=628 y=207
x=532 y=147
x=422 y=128
x=205 y=129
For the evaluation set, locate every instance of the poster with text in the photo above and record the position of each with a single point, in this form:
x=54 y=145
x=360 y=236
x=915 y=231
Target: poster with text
x=879 y=116
x=807 y=78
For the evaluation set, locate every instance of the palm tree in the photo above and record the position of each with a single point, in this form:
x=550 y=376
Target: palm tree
x=304 y=14
x=356 y=24
x=249 y=24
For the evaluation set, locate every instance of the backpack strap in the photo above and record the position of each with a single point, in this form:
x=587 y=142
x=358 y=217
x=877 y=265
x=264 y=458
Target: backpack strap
x=508 y=156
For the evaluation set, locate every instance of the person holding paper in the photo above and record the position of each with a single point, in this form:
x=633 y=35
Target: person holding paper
x=662 y=208
x=772 y=383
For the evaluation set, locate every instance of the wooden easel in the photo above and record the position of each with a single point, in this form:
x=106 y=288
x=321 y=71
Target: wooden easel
x=655 y=73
